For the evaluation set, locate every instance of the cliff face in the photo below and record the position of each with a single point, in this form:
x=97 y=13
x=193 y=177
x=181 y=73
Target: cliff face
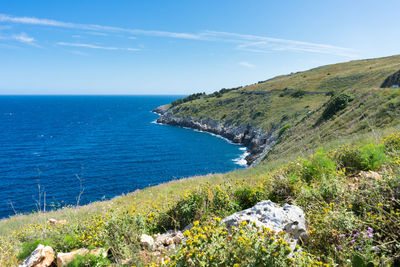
x=392 y=80
x=256 y=140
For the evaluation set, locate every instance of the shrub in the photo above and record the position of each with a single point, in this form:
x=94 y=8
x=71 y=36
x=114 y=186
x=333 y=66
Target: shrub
x=298 y=94
x=187 y=99
x=317 y=166
x=247 y=197
x=284 y=129
x=182 y=213
x=281 y=190
x=89 y=261
x=373 y=156
x=335 y=104
x=349 y=158
x=123 y=232
x=392 y=143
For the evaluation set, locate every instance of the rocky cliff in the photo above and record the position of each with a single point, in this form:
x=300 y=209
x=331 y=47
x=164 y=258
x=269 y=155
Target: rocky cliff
x=256 y=140
x=392 y=80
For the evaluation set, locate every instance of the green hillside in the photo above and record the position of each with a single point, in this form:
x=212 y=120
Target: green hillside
x=294 y=104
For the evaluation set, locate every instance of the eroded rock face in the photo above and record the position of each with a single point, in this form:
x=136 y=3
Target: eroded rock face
x=256 y=140
x=392 y=80
x=267 y=214
x=42 y=256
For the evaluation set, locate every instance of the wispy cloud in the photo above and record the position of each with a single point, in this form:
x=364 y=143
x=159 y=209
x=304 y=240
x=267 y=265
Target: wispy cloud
x=247 y=64
x=244 y=42
x=92 y=27
x=23 y=38
x=91 y=46
x=262 y=44
x=20 y=37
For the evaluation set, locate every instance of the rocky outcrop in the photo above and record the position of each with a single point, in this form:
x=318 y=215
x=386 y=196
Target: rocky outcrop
x=392 y=80
x=160 y=242
x=288 y=218
x=256 y=140
x=42 y=256
x=161 y=109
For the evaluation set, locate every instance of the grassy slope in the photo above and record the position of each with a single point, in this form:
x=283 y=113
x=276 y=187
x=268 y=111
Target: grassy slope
x=373 y=107
x=362 y=78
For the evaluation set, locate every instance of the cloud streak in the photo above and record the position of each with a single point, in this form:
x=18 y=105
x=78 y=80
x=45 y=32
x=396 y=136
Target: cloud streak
x=244 y=42
x=23 y=38
x=247 y=64
x=91 y=46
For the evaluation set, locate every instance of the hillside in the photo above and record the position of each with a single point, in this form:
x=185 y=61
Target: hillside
x=286 y=112
x=326 y=141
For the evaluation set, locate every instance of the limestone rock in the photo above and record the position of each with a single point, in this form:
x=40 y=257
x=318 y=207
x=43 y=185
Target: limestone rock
x=55 y=222
x=168 y=240
x=147 y=241
x=42 y=256
x=178 y=238
x=64 y=258
x=371 y=175
x=266 y=213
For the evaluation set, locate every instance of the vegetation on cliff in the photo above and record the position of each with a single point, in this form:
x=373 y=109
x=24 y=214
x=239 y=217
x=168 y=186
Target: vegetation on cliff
x=312 y=107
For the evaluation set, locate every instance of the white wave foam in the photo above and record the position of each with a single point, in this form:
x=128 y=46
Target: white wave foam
x=241 y=160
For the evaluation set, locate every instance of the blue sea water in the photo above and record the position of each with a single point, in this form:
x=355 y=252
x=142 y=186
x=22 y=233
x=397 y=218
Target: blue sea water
x=110 y=142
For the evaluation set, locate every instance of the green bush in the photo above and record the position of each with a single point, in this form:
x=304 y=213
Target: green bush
x=349 y=158
x=298 y=94
x=373 y=156
x=335 y=104
x=247 y=196
x=182 y=213
x=187 y=99
x=284 y=129
x=89 y=261
x=281 y=190
x=317 y=166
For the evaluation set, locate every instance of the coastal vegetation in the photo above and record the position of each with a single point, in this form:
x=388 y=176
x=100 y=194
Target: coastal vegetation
x=336 y=156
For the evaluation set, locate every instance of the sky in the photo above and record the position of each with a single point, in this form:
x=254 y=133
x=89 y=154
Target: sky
x=181 y=46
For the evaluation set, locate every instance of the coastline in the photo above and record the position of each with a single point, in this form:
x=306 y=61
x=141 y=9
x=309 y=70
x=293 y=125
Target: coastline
x=257 y=141
x=241 y=160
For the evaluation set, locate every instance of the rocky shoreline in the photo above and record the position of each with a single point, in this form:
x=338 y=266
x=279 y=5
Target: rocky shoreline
x=256 y=140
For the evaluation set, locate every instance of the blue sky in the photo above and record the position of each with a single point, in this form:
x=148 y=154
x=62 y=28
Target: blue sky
x=181 y=47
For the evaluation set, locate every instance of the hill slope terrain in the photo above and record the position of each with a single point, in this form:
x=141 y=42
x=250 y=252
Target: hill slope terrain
x=292 y=113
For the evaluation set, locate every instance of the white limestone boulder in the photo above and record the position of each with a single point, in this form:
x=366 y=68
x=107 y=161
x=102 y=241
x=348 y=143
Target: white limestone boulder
x=147 y=241
x=266 y=213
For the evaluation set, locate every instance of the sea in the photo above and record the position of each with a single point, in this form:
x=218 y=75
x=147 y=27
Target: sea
x=59 y=149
